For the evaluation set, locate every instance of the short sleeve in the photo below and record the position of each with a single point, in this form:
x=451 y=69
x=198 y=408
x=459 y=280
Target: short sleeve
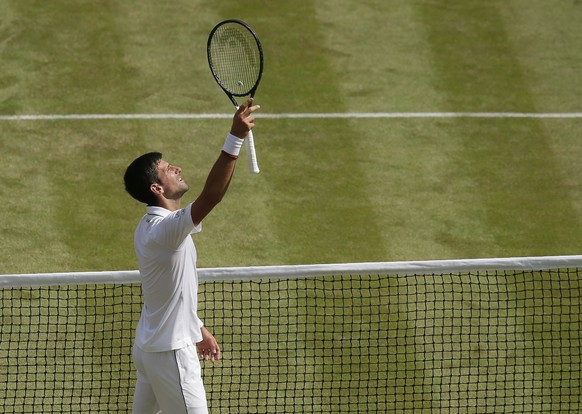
x=172 y=230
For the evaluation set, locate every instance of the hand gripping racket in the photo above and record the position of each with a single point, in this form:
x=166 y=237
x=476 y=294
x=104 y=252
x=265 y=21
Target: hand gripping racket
x=235 y=57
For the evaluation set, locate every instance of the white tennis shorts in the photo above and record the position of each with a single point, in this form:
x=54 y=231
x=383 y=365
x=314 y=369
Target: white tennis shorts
x=169 y=382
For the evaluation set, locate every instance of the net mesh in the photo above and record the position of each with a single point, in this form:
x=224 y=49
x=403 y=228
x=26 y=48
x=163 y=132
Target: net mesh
x=461 y=342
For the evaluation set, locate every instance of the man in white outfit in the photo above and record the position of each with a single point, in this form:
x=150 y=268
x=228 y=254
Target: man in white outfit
x=170 y=337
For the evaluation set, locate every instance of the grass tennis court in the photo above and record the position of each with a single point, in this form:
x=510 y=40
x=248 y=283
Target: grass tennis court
x=332 y=189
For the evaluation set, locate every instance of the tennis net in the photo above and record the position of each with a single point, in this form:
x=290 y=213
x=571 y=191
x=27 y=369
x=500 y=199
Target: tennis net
x=466 y=336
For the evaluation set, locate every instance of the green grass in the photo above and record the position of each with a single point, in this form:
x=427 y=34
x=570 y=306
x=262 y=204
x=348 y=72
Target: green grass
x=330 y=190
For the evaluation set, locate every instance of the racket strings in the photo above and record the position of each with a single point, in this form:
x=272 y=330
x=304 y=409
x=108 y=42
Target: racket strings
x=235 y=59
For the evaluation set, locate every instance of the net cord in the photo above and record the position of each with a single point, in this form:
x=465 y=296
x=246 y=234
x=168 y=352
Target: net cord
x=303 y=271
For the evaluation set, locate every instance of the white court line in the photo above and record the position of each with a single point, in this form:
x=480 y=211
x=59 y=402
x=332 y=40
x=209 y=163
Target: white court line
x=427 y=115
x=56 y=117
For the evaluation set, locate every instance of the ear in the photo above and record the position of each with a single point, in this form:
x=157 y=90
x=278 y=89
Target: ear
x=157 y=189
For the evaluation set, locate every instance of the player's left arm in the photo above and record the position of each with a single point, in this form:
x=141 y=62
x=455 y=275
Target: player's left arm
x=208 y=348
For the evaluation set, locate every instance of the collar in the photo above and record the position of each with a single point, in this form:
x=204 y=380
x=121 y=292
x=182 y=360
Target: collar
x=157 y=211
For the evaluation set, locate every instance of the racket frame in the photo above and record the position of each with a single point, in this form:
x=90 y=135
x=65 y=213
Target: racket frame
x=229 y=93
x=250 y=142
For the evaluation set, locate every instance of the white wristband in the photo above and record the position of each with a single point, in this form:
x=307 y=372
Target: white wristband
x=232 y=145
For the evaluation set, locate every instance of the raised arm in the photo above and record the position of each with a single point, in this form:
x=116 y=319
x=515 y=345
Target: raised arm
x=223 y=169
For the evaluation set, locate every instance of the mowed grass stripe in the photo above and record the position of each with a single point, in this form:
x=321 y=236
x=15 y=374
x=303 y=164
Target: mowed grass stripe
x=88 y=56
x=317 y=203
x=67 y=53
x=59 y=214
x=504 y=178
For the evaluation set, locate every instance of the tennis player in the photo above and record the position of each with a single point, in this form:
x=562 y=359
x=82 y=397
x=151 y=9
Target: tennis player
x=170 y=337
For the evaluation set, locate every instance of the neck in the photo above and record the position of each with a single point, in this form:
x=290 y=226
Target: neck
x=168 y=204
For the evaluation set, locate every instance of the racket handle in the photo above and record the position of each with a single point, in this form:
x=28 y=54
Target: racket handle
x=252 y=154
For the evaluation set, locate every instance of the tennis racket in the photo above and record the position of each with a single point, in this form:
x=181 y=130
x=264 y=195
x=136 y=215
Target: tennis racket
x=235 y=57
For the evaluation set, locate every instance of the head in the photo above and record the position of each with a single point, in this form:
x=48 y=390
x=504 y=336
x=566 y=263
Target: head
x=151 y=180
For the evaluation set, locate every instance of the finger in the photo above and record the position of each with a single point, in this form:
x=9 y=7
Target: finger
x=210 y=354
x=203 y=353
x=254 y=108
x=243 y=107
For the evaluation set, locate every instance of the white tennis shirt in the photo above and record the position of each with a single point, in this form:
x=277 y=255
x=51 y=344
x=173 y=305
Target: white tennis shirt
x=167 y=264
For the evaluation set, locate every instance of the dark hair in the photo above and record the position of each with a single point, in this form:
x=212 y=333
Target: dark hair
x=140 y=175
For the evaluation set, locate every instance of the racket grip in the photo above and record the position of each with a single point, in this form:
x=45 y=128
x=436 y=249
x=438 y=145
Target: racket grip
x=252 y=154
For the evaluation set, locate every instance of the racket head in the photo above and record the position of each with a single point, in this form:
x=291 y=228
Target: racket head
x=235 y=57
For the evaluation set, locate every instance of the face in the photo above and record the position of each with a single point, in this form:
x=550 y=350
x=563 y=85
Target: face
x=171 y=182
